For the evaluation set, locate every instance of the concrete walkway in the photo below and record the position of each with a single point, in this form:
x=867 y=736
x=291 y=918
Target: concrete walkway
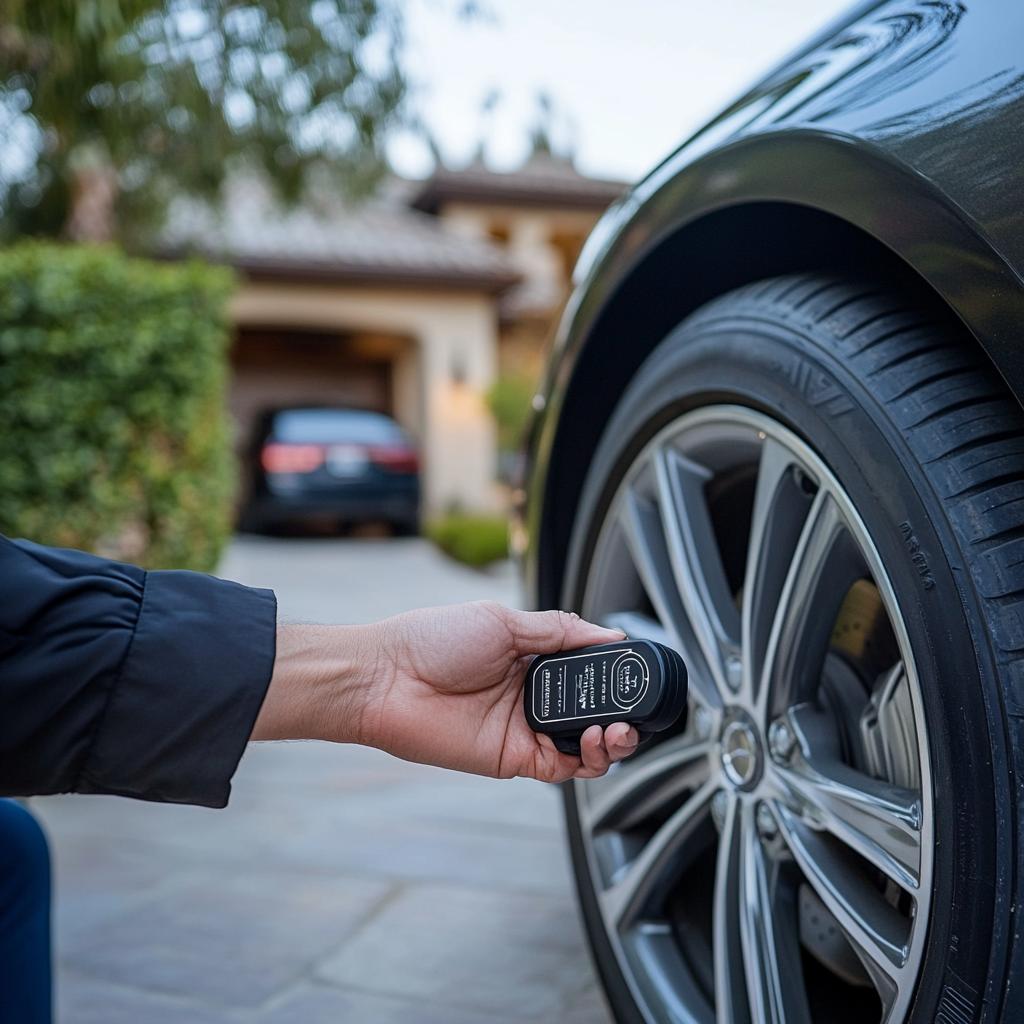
x=340 y=885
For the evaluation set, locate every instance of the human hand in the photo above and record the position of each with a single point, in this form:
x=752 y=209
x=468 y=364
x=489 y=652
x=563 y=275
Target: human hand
x=440 y=686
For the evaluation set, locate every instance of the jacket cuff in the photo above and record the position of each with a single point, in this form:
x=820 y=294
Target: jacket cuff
x=178 y=719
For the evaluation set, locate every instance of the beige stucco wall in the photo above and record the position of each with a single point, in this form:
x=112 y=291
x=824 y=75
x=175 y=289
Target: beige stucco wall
x=439 y=387
x=530 y=235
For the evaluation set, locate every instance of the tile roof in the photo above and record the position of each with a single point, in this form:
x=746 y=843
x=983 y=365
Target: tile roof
x=544 y=180
x=381 y=242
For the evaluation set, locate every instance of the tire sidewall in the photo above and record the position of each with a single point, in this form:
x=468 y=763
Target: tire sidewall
x=721 y=356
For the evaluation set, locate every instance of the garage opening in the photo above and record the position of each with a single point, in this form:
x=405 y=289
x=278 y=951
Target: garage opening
x=275 y=367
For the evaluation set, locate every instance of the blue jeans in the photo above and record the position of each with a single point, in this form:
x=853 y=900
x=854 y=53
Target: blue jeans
x=25 y=984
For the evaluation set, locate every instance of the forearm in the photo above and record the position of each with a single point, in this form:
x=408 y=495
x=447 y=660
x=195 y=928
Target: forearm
x=321 y=684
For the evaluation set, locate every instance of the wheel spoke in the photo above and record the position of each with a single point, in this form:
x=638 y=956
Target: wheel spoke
x=624 y=899
x=638 y=626
x=879 y=821
x=877 y=930
x=646 y=783
x=823 y=567
x=693 y=549
x=781 y=505
x=770 y=944
x=645 y=538
x=730 y=981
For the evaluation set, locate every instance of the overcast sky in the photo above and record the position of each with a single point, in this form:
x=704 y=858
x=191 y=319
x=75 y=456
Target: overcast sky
x=629 y=79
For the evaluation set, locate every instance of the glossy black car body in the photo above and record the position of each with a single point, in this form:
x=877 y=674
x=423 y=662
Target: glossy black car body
x=891 y=146
x=332 y=467
x=893 y=140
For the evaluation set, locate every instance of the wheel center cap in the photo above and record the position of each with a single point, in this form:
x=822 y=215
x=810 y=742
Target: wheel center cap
x=742 y=759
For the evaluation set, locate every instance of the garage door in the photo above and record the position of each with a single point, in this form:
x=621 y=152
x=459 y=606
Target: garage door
x=273 y=368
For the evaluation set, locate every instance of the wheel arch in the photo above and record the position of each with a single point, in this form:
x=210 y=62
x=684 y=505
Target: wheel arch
x=737 y=216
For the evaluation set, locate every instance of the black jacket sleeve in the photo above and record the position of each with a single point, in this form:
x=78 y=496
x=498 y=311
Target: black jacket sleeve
x=118 y=680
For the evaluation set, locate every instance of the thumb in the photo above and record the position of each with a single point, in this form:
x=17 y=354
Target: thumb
x=547 y=632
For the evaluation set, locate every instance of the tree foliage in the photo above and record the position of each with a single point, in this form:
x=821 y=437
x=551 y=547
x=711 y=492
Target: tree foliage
x=125 y=103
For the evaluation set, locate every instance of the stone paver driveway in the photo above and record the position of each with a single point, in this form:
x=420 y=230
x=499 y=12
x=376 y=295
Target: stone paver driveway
x=340 y=884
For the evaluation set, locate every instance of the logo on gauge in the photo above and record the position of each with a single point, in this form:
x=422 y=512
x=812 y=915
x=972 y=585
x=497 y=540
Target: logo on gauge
x=629 y=680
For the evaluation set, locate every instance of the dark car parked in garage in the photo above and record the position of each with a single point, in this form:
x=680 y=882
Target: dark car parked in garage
x=782 y=431
x=333 y=467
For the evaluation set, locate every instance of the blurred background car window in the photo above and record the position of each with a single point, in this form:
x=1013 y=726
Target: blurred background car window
x=327 y=426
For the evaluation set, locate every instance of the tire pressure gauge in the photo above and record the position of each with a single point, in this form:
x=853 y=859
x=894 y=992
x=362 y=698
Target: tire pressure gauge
x=636 y=681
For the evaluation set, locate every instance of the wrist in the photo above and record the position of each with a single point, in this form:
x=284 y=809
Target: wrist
x=321 y=686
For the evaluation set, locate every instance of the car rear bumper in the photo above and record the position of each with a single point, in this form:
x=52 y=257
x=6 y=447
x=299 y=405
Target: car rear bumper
x=268 y=510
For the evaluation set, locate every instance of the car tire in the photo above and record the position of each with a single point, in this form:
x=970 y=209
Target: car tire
x=814 y=489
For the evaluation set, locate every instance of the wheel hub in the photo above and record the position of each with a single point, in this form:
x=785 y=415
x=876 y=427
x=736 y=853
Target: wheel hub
x=742 y=758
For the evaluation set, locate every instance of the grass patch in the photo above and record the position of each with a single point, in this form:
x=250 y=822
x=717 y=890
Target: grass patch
x=473 y=539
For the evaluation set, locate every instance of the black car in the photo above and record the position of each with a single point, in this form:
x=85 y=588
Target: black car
x=782 y=431
x=333 y=467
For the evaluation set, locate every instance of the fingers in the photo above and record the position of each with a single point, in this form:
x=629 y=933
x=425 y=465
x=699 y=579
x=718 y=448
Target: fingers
x=593 y=752
x=547 y=632
x=600 y=748
x=621 y=740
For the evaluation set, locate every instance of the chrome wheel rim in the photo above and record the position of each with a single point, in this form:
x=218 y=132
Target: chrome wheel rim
x=788 y=830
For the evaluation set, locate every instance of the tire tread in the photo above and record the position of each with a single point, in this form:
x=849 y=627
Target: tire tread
x=954 y=411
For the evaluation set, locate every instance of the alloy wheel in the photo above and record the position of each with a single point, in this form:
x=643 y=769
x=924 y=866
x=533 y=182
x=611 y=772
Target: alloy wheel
x=773 y=858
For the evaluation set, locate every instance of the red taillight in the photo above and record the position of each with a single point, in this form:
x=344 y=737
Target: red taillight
x=292 y=458
x=395 y=460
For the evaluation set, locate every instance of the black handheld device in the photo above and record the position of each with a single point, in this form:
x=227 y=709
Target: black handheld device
x=636 y=681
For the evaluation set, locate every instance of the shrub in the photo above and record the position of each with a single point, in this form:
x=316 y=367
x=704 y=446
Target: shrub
x=113 y=436
x=509 y=400
x=473 y=539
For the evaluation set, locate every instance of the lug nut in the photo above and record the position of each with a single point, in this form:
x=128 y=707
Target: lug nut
x=734 y=671
x=767 y=826
x=781 y=740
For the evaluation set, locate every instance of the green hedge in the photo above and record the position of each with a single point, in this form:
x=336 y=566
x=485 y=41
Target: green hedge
x=113 y=436
x=473 y=539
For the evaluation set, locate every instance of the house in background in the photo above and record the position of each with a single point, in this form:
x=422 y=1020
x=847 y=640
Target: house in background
x=410 y=304
x=540 y=216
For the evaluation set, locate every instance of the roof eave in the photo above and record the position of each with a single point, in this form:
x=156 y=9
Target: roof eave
x=266 y=269
x=435 y=194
